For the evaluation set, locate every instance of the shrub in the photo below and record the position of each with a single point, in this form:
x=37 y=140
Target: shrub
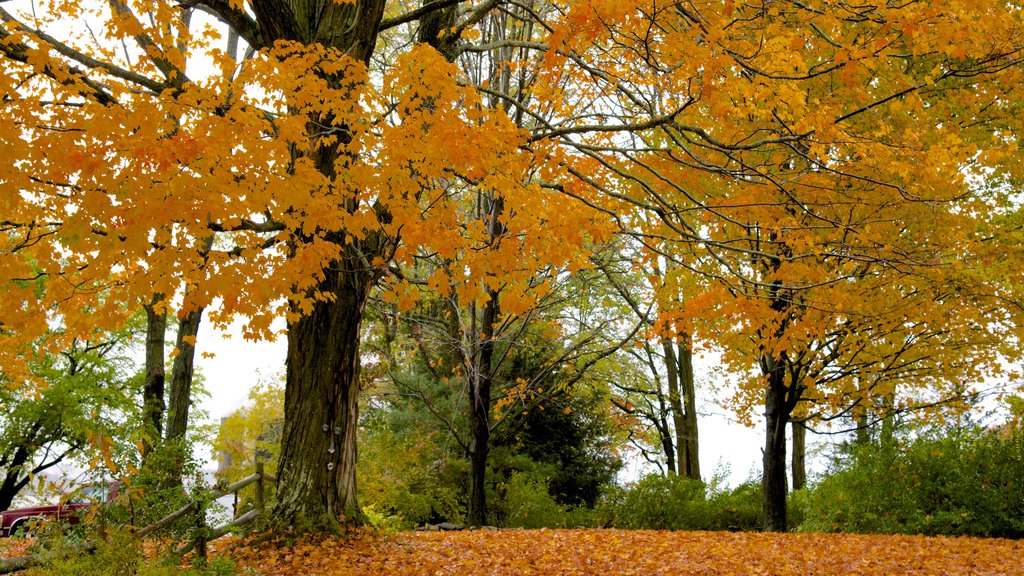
x=664 y=503
x=528 y=504
x=64 y=555
x=736 y=509
x=967 y=483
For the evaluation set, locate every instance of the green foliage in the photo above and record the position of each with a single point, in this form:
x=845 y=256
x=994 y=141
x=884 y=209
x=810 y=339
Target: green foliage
x=678 y=503
x=570 y=435
x=86 y=409
x=964 y=483
x=152 y=494
x=528 y=503
x=120 y=555
x=381 y=522
x=405 y=471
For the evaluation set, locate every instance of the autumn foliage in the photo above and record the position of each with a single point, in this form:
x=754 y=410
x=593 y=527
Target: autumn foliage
x=820 y=174
x=618 y=552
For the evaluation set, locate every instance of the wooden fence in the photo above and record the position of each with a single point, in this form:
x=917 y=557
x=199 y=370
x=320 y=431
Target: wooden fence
x=196 y=508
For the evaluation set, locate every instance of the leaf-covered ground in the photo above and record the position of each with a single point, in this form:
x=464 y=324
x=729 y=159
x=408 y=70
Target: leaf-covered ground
x=622 y=552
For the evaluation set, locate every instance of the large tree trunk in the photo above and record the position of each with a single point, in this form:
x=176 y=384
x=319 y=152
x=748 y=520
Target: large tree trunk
x=774 y=458
x=481 y=380
x=799 y=463
x=316 y=483
x=153 y=382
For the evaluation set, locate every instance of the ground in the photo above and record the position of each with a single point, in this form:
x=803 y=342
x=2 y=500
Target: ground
x=612 y=553
x=623 y=552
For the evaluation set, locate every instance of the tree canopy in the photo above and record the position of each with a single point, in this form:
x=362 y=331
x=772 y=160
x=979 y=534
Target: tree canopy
x=824 y=177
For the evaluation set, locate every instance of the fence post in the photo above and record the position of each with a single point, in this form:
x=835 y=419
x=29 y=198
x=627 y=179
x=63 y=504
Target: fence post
x=259 y=489
x=200 y=531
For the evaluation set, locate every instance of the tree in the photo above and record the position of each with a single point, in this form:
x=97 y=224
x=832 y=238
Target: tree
x=252 y=433
x=819 y=162
x=678 y=398
x=300 y=161
x=90 y=396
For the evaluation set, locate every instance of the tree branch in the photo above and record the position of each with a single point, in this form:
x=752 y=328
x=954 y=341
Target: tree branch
x=416 y=14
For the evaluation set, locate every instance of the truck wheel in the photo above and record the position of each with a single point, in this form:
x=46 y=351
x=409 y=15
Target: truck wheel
x=24 y=528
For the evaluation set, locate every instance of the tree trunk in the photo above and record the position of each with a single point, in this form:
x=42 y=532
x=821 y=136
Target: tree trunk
x=180 y=396
x=675 y=403
x=316 y=483
x=863 y=432
x=153 y=384
x=481 y=380
x=774 y=457
x=667 y=446
x=886 y=437
x=679 y=365
x=689 y=459
x=15 y=477
x=181 y=376
x=799 y=463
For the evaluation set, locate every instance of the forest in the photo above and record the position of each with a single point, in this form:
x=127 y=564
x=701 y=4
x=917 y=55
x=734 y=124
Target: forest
x=494 y=236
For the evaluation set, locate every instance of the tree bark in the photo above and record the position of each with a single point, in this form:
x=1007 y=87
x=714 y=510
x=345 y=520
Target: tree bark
x=774 y=458
x=316 y=483
x=481 y=381
x=863 y=431
x=688 y=448
x=799 y=462
x=180 y=396
x=667 y=445
x=683 y=405
x=15 y=477
x=675 y=404
x=153 y=384
x=182 y=371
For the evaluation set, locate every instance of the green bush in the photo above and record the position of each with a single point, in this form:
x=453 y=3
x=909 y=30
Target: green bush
x=528 y=504
x=736 y=509
x=967 y=483
x=664 y=503
x=66 y=555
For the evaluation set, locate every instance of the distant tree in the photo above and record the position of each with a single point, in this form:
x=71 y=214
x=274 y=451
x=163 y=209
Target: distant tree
x=251 y=433
x=88 y=402
x=569 y=430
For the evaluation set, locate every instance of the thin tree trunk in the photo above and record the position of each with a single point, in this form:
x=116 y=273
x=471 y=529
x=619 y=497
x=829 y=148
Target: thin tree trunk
x=665 y=432
x=886 y=437
x=481 y=381
x=675 y=402
x=863 y=432
x=799 y=463
x=15 y=477
x=774 y=483
x=182 y=371
x=690 y=463
x=180 y=396
x=153 y=383
x=316 y=483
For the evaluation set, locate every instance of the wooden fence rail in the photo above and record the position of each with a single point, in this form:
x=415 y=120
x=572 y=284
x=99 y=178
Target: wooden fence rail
x=195 y=507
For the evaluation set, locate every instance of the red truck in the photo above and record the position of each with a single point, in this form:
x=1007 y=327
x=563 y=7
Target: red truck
x=20 y=519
